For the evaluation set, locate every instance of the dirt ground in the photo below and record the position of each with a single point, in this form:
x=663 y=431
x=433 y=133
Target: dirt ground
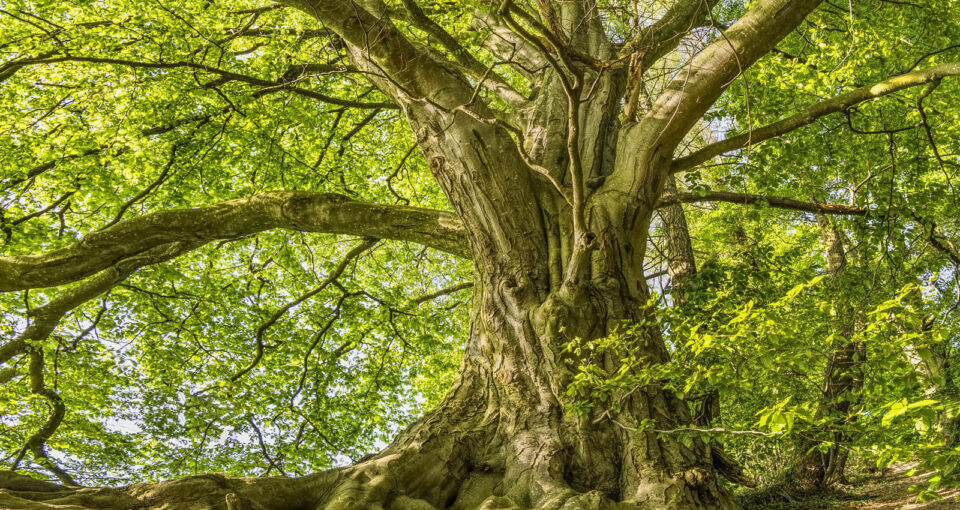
x=887 y=491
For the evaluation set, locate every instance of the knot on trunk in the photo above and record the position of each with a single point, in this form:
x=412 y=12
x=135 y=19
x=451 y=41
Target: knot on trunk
x=697 y=477
x=235 y=502
x=436 y=164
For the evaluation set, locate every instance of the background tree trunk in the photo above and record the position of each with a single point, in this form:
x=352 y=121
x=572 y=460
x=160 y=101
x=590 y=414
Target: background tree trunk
x=682 y=267
x=842 y=380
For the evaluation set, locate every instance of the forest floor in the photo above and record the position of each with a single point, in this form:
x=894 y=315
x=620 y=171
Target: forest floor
x=889 y=490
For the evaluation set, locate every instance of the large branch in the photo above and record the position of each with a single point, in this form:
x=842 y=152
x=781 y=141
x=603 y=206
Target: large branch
x=709 y=73
x=470 y=150
x=308 y=212
x=646 y=147
x=382 y=48
x=747 y=198
x=815 y=111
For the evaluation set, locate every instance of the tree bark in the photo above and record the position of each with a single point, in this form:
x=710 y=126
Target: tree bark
x=682 y=266
x=842 y=382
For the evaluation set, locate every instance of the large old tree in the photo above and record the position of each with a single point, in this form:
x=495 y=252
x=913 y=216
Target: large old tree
x=549 y=126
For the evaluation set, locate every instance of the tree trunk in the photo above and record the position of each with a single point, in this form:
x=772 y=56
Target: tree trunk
x=501 y=438
x=557 y=202
x=682 y=266
x=934 y=367
x=842 y=383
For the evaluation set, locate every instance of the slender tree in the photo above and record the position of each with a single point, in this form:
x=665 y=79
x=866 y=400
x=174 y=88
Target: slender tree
x=682 y=267
x=842 y=381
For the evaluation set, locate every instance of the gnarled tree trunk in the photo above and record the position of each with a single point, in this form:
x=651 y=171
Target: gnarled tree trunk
x=556 y=201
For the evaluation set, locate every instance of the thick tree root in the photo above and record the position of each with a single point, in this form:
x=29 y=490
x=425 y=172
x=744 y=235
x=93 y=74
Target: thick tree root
x=373 y=485
x=439 y=463
x=463 y=455
x=203 y=492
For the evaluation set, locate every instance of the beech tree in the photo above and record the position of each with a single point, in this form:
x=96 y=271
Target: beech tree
x=210 y=138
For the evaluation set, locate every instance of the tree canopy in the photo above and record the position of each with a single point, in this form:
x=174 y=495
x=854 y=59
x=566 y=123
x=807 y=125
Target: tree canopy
x=229 y=244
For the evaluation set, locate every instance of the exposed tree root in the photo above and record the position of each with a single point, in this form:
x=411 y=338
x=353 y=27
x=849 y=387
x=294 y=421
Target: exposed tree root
x=419 y=471
x=501 y=439
x=368 y=486
x=202 y=492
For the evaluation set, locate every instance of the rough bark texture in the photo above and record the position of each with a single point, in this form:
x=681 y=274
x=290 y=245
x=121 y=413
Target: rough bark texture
x=934 y=367
x=682 y=266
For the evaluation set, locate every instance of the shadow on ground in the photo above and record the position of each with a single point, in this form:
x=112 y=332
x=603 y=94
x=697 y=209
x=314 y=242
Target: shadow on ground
x=882 y=491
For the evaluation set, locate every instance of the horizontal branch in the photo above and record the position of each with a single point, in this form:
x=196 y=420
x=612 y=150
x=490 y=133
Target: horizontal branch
x=747 y=198
x=442 y=292
x=815 y=111
x=225 y=75
x=293 y=210
x=267 y=32
x=47 y=317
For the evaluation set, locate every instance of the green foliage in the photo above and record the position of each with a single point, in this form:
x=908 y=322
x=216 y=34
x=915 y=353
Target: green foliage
x=594 y=387
x=753 y=327
x=145 y=370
